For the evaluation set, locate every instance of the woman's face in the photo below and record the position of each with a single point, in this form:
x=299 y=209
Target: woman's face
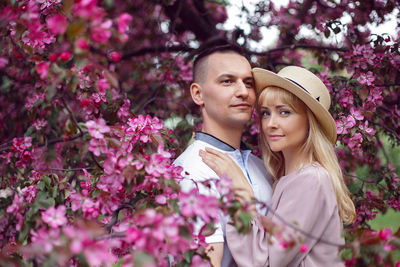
x=284 y=129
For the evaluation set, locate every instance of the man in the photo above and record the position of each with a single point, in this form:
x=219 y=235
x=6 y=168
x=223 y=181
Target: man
x=223 y=88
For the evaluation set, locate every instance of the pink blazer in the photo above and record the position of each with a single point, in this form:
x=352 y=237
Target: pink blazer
x=306 y=199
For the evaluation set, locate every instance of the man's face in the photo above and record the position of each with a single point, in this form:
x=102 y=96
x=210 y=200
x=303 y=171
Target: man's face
x=227 y=90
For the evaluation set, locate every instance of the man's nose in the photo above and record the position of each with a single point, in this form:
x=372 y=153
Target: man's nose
x=242 y=90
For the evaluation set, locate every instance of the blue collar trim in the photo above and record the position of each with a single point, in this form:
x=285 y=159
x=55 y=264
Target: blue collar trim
x=214 y=141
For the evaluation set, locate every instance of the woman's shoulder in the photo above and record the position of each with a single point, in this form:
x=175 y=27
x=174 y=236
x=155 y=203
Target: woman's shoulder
x=311 y=175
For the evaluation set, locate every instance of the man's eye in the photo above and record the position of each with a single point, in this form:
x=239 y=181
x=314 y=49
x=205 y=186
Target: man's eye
x=249 y=84
x=227 y=81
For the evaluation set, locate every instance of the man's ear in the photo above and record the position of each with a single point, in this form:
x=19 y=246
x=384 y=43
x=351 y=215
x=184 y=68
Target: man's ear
x=196 y=91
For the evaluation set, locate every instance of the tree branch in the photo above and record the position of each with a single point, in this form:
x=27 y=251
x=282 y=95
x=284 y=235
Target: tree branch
x=157 y=49
x=387 y=129
x=297 y=46
x=191 y=20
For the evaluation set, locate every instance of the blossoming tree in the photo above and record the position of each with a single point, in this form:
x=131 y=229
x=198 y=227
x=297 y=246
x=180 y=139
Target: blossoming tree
x=94 y=107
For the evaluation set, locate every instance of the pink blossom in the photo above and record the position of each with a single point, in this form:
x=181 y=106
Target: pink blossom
x=57 y=24
x=48 y=3
x=16 y=205
x=43 y=69
x=21 y=144
x=161 y=199
x=102 y=33
x=132 y=234
x=193 y=203
x=65 y=56
x=123 y=113
x=197 y=261
x=367 y=78
x=355 y=141
x=303 y=248
x=36 y=176
x=347 y=98
x=144 y=126
x=97 y=128
x=350 y=122
x=75 y=199
x=385 y=234
x=103 y=85
x=29 y=193
x=366 y=129
x=98 y=146
x=98 y=98
x=90 y=209
x=3 y=62
x=356 y=113
x=53 y=57
x=36 y=37
x=123 y=20
x=88 y=9
x=30 y=101
x=39 y=124
x=55 y=217
x=46 y=239
x=82 y=44
x=115 y=56
x=96 y=252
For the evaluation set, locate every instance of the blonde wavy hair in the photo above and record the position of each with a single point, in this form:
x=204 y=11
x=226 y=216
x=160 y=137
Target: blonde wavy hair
x=316 y=148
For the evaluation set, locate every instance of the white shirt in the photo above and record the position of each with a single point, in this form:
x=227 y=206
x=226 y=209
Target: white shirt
x=195 y=170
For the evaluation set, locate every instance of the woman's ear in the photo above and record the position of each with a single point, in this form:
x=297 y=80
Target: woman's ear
x=196 y=91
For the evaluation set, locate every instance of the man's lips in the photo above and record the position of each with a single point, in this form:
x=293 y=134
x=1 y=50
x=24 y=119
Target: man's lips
x=241 y=105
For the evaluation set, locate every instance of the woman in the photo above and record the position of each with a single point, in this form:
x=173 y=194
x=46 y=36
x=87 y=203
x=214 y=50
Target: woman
x=297 y=138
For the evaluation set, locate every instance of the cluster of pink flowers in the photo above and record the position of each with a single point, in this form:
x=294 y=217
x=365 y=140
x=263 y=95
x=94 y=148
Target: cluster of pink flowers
x=88 y=174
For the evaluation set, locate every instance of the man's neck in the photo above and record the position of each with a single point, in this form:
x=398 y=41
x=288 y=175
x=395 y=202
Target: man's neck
x=231 y=136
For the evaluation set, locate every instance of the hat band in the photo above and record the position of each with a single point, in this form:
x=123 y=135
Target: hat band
x=299 y=85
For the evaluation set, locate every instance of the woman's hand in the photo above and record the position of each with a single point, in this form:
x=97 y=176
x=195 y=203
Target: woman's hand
x=222 y=164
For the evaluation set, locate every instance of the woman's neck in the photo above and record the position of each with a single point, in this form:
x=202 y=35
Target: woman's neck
x=294 y=160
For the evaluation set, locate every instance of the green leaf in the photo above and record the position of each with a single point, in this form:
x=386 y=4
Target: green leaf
x=188 y=255
x=54 y=191
x=23 y=233
x=47 y=203
x=47 y=180
x=43 y=200
x=40 y=185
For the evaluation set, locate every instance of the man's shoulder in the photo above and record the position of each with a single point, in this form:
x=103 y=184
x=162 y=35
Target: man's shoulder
x=191 y=153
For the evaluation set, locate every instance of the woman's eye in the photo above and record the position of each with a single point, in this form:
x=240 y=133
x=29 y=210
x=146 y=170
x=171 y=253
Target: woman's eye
x=285 y=112
x=264 y=113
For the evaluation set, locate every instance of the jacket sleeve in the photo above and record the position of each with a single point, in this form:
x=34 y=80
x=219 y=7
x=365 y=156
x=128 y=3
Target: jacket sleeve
x=301 y=202
x=250 y=250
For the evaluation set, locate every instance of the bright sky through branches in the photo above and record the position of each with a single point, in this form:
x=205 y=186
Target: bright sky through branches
x=237 y=18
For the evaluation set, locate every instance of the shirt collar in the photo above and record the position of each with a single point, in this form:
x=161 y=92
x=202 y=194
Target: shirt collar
x=218 y=143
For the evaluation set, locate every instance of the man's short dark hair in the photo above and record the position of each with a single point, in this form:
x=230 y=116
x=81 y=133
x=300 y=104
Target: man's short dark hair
x=200 y=58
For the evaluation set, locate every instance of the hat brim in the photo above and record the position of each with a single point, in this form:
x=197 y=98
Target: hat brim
x=264 y=78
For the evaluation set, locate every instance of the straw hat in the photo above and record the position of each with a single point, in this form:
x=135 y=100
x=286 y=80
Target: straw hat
x=306 y=86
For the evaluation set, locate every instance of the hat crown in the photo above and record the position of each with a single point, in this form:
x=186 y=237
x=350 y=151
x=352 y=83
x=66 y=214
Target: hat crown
x=309 y=82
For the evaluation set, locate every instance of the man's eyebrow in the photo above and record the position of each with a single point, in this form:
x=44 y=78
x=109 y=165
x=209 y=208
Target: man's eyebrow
x=226 y=75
